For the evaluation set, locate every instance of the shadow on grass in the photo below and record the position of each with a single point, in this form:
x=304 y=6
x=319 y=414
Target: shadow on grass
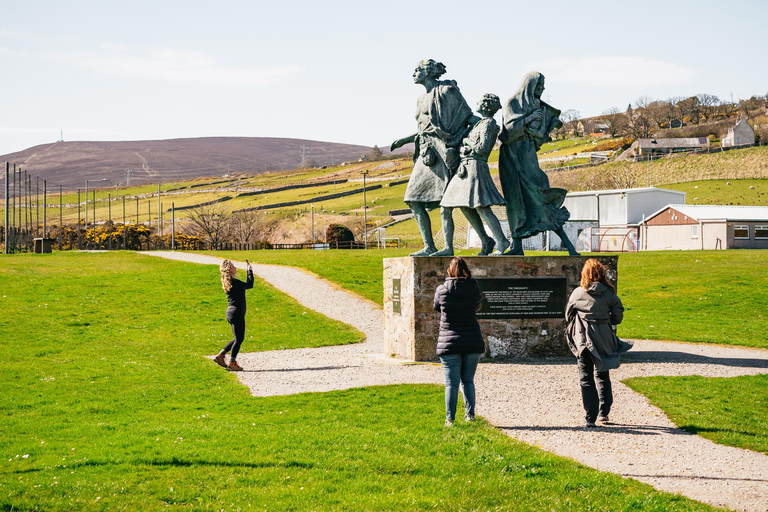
x=179 y=463
x=684 y=357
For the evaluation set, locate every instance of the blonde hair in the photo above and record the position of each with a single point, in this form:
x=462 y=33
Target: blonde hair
x=594 y=271
x=226 y=275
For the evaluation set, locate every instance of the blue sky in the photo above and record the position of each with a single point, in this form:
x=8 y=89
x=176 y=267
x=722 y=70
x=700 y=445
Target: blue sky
x=340 y=71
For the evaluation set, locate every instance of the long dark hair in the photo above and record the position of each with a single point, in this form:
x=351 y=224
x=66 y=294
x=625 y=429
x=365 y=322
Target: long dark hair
x=458 y=268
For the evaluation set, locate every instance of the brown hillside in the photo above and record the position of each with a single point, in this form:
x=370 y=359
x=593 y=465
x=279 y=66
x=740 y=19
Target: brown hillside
x=161 y=161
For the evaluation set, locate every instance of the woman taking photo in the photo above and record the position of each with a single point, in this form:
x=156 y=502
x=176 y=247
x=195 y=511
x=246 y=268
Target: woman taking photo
x=460 y=342
x=235 y=290
x=592 y=311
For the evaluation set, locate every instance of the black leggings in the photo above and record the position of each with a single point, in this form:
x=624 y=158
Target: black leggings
x=238 y=331
x=596 y=392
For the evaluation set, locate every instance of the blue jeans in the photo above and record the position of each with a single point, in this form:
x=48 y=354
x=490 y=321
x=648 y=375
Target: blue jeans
x=459 y=368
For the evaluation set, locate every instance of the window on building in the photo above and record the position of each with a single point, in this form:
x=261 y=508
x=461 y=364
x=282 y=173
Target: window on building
x=694 y=231
x=761 y=232
x=741 y=231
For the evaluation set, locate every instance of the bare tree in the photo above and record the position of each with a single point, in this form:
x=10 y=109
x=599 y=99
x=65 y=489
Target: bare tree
x=249 y=227
x=708 y=105
x=616 y=121
x=622 y=176
x=689 y=108
x=209 y=221
x=570 y=119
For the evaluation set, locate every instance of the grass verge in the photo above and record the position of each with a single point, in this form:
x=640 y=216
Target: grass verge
x=731 y=411
x=106 y=402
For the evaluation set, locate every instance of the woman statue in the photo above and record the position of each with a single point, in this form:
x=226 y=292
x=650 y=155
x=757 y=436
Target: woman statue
x=443 y=118
x=472 y=189
x=532 y=206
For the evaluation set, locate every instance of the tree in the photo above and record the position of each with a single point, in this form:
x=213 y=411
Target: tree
x=708 y=105
x=570 y=119
x=209 y=222
x=615 y=120
x=689 y=108
x=375 y=153
x=249 y=227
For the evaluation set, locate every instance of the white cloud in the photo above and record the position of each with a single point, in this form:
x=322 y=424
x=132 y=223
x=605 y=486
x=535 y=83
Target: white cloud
x=615 y=71
x=171 y=66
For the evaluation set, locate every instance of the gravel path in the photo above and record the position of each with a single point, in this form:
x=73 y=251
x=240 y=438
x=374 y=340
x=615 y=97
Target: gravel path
x=535 y=401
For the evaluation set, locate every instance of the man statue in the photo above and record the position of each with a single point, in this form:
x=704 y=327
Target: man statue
x=532 y=206
x=443 y=119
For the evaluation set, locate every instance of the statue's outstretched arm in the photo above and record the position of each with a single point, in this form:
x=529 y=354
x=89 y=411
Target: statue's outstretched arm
x=402 y=142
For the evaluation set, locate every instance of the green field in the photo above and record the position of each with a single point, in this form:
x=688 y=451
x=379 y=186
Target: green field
x=109 y=403
x=732 y=411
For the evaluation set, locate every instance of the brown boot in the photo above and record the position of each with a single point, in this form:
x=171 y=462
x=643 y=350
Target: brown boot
x=219 y=360
x=234 y=367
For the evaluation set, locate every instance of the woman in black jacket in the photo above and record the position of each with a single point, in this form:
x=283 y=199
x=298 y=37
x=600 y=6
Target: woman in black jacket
x=235 y=290
x=460 y=342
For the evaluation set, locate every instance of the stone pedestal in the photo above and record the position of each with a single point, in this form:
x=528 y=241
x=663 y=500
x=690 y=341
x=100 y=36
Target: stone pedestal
x=411 y=324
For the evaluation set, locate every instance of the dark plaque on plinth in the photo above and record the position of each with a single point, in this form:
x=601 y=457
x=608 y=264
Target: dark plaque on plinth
x=396 y=295
x=540 y=297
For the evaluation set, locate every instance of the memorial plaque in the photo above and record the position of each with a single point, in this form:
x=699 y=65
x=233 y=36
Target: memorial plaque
x=396 y=295
x=540 y=297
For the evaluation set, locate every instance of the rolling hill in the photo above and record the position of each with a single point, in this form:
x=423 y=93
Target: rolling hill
x=161 y=161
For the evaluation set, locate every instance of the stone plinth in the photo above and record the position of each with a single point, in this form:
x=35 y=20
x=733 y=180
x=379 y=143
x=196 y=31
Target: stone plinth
x=411 y=333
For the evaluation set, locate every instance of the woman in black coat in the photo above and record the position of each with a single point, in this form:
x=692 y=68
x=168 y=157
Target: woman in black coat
x=235 y=290
x=460 y=342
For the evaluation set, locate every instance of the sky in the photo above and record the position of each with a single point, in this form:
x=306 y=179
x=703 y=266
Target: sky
x=341 y=71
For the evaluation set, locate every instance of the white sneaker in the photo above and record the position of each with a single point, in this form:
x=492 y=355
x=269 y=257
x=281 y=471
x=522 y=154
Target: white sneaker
x=602 y=419
x=448 y=422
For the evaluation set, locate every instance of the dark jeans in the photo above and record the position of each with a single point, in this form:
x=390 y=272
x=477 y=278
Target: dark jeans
x=459 y=368
x=596 y=393
x=238 y=331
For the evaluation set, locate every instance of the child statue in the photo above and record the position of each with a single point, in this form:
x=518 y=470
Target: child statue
x=472 y=188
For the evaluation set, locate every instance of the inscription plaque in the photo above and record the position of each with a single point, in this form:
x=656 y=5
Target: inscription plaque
x=396 y=295
x=540 y=297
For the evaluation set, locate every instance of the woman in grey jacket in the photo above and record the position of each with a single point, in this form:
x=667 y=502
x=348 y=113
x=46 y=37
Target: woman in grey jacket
x=460 y=342
x=591 y=312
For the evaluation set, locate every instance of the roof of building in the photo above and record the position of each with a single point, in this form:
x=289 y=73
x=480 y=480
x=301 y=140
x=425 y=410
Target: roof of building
x=719 y=212
x=624 y=191
x=692 y=142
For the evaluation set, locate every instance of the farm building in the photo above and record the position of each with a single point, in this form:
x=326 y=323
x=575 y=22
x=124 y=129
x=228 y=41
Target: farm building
x=643 y=148
x=687 y=227
x=739 y=135
x=609 y=220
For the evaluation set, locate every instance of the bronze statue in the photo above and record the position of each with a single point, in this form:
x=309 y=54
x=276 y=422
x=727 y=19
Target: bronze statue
x=443 y=119
x=532 y=206
x=472 y=189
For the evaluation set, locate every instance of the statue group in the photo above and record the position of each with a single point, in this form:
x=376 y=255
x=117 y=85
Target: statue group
x=450 y=164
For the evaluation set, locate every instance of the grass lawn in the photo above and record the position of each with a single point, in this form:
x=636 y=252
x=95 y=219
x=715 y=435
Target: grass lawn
x=108 y=403
x=731 y=411
x=736 y=192
x=698 y=296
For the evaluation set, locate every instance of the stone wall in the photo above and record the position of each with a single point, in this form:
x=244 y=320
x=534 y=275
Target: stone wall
x=412 y=333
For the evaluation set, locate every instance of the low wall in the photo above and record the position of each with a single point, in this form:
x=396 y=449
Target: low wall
x=522 y=314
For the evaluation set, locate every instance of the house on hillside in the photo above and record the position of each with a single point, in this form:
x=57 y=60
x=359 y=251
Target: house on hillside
x=739 y=135
x=645 y=148
x=688 y=227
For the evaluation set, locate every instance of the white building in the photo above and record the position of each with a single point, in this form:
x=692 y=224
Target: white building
x=739 y=135
x=687 y=227
x=609 y=220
